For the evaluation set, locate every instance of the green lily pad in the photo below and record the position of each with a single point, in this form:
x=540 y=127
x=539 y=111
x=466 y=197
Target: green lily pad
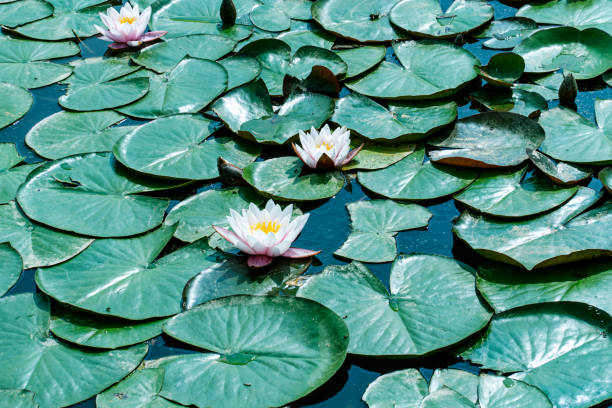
x=280 y=178
x=297 y=38
x=507 y=193
x=308 y=56
x=66 y=133
x=463 y=382
x=503 y=68
x=513 y=100
x=286 y=364
x=399 y=388
x=430 y=69
x=274 y=57
x=378 y=156
x=139 y=390
x=197 y=214
x=432 y=304
x=22 y=62
x=15 y=103
x=607 y=77
x=490 y=139
x=361 y=59
x=270 y=18
x=505 y=287
x=181 y=90
x=96 y=84
x=70 y=19
x=296 y=9
x=506 y=33
x=89 y=194
x=60 y=375
x=37 y=244
x=558 y=171
x=583 y=53
x=94 y=331
x=11 y=175
x=403 y=121
x=561 y=335
x=17 y=399
x=11 y=266
x=363 y=21
x=426 y=18
x=374 y=225
x=15 y=13
x=250 y=101
x=240 y=70
x=570 y=137
x=413 y=178
x=546 y=85
x=164 y=56
x=605 y=176
x=178 y=147
x=560 y=236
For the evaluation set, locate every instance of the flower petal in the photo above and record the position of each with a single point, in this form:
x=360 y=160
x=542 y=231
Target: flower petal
x=259 y=261
x=300 y=253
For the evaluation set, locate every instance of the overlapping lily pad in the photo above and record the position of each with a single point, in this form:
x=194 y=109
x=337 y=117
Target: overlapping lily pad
x=360 y=59
x=274 y=57
x=57 y=373
x=507 y=193
x=546 y=339
x=374 y=225
x=280 y=367
x=605 y=176
x=558 y=171
x=140 y=389
x=309 y=35
x=506 y=33
x=426 y=18
x=583 y=53
x=240 y=70
x=17 y=399
x=503 y=69
x=515 y=100
x=374 y=156
x=91 y=194
x=308 y=56
x=280 y=178
x=270 y=18
x=564 y=235
x=178 y=147
x=11 y=266
x=11 y=175
x=490 y=139
x=570 y=137
x=15 y=103
x=413 y=178
x=430 y=69
x=15 y=13
x=431 y=305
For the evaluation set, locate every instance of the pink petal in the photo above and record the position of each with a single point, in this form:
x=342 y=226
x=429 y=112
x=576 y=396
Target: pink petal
x=352 y=154
x=300 y=253
x=233 y=238
x=117 y=46
x=153 y=35
x=259 y=261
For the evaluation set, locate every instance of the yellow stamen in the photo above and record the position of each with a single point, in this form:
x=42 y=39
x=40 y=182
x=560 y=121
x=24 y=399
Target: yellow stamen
x=128 y=20
x=328 y=146
x=266 y=227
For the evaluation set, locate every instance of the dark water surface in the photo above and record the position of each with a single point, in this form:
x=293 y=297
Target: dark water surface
x=328 y=228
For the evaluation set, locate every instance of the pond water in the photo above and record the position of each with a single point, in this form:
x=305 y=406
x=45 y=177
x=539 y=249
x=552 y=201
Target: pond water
x=328 y=230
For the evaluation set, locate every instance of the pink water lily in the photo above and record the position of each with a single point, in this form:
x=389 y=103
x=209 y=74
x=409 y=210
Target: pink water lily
x=325 y=149
x=265 y=234
x=127 y=27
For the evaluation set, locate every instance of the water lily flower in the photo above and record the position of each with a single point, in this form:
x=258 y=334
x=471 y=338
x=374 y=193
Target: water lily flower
x=324 y=149
x=127 y=27
x=265 y=234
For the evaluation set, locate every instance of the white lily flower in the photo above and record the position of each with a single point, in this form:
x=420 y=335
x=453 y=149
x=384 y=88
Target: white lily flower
x=127 y=27
x=265 y=234
x=324 y=149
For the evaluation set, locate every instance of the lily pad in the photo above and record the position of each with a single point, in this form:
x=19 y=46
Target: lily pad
x=197 y=214
x=274 y=57
x=164 y=56
x=490 y=139
x=506 y=33
x=413 y=178
x=374 y=225
x=286 y=364
x=16 y=102
x=560 y=236
x=513 y=100
x=280 y=178
x=270 y=18
x=181 y=90
x=583 y=53
x=296 y=9
x=297 y=38
x=308 y=56
x=58 y=374
x=22 y=62
x=120 y=277
x=505 y=287
x=558 y=171
x=11 y=266
x=363 y=20
x=17 y=399
x=607 y=77
x=240 y=70
x=139 y=390
x=66 y=133
x=90 y=194
x=96 y=84
x=178 y=147
x=361 y=59
x=605 y=176
x=15 y=13
x=401 y=120
x=37 y=244
x=503 y=68
x=560 y=335
x=426 y=18
x=11 y=175
x=378 y=156
x=430 y=69
x=432 y=304
x=507 y=193
x=570 y=137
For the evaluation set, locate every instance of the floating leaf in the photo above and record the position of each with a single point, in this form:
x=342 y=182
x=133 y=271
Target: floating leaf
x=270 y=18
x=17 y=399
x=506 y=33
x=607 y=77
x=503 y=68
x=399 y=388
x=378 y=156
x=11 y=266
x=463 y=382
x=361 y=59
x=178 y=147
x=432 y=304
x=58 y=374
x=413 y=178
x=11 y=175
x=15 y=102
x=139 y=389
x=490 y=139
x=560 y=236
x=374 y=225
x=430 y=69
x=261 y=371
x=296 y=39
x=513 y=100
x=274 y=57
x=308 y=56
x=605 y=176
x=559 y=172
x=240 y=70
x=15 y=13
